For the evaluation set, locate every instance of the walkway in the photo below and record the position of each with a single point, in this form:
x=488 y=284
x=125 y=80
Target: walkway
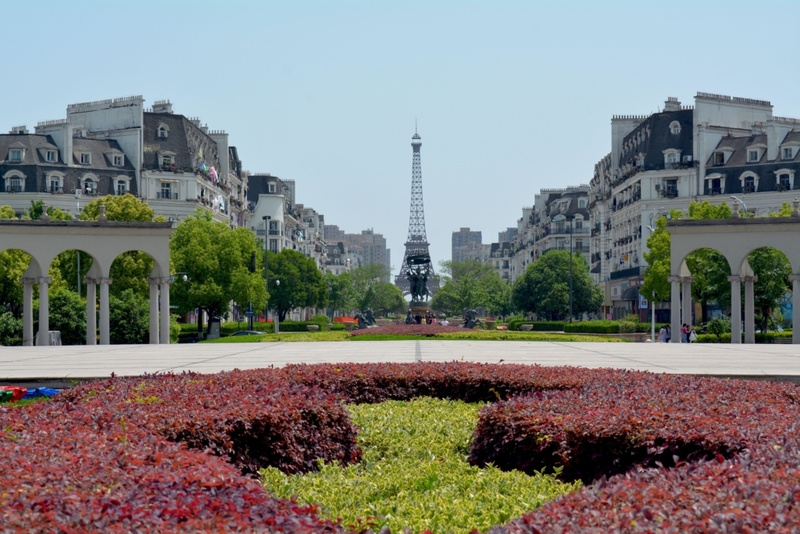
x=68 y=363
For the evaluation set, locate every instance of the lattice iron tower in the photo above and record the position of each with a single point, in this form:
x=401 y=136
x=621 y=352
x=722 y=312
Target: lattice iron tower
x=417 y=242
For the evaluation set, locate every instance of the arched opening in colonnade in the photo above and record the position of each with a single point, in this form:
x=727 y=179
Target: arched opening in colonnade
x=772 y=293
x=710 y=288
x=73 y=265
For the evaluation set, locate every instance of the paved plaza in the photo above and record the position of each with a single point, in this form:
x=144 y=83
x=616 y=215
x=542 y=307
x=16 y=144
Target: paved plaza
x=67 y=363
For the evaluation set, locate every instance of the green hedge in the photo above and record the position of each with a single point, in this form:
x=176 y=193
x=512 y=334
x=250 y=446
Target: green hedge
x=301 y=326
x=188 y=333
x=607 y=327
x=538 y=326
x=761 y=338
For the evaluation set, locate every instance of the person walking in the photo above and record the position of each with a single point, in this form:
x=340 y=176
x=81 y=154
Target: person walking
x=669 y=333
x=692 y=336
x=684 y=333
x=662 y=334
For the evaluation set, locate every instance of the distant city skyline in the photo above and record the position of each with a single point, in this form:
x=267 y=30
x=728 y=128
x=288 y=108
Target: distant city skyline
x=510 y=97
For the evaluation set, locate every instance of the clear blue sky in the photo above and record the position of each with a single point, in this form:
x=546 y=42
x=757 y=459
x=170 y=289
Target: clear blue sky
x=510 y=97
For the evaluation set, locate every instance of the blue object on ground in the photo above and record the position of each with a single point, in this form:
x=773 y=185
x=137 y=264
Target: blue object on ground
x=41 y=392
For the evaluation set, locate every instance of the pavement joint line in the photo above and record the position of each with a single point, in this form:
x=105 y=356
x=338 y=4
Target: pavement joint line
x=603 y=353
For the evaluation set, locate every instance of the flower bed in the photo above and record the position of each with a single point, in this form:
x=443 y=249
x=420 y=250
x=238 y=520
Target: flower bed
x=429 y=330
x=659 y=452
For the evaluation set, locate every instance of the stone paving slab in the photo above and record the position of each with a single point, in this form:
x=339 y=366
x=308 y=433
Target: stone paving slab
x=80 y=362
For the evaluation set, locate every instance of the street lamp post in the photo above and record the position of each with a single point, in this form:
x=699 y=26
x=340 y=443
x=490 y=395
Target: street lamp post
x=78 y=214
x=653 y=318
x=570 y=268
x=277 y=315
x=266 y=219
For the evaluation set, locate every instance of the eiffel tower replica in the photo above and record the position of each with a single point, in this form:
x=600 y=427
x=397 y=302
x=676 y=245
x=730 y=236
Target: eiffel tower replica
x=417 y=257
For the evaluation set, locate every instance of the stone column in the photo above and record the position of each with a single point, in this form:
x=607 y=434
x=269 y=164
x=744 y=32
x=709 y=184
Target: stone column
x=795 y=278
x=749 y=310
x=153 y=310
x=91 y=311
x=686 y=309
x=165 y=310
x=675 y=309
x=105 y=329
x=27 y=311
x=736 y=308
x=44 y=312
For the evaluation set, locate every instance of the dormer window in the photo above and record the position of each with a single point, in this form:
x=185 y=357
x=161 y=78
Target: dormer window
x=272 y=188
x=788 y=152
x=671 y=157
x=163 y=131
x=675 y=128
x=752 y=156
x=719 y=158
x=86 y=158
x=167 y=160
x=15 y=155
x=119 y=161
x=50 y=156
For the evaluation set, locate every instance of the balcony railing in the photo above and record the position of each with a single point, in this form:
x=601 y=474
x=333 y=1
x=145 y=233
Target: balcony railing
x=13 y=188
x=166 y=196
x=55 y=190
x=626 y=273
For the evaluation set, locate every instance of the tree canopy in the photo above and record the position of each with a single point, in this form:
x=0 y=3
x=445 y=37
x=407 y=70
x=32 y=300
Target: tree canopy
x=471 y=284
x=544 y=288
x=301 y=282
x=216 y=260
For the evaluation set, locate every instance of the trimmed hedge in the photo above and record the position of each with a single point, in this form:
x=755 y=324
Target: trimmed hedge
x=606 y=327
x=725 y=337
x=658 y=452
x=302 y=326
x=250 y=417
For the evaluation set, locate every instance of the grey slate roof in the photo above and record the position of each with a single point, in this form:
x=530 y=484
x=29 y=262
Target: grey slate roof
x=185 y=140
x=660 y=138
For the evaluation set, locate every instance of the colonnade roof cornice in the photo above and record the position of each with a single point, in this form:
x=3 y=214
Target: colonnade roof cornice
x=86 y=224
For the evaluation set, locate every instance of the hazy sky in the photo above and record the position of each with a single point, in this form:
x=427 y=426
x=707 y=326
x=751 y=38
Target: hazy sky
x=510 y=97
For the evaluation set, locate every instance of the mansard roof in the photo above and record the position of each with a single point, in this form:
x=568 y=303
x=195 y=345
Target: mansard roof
x=188 y=143
x=258 y=184
x=99 y=149
x=653 y=136
x=36 y=145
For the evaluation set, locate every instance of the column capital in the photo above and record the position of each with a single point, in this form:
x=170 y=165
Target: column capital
x=793 y=277
x=30 y=281
x=43 y=280
x=735 y=278
x=674 y=279
x=687 y=279
x=99 y=281
x=749 y=279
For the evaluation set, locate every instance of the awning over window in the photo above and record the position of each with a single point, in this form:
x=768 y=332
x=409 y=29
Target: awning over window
x=632 y=293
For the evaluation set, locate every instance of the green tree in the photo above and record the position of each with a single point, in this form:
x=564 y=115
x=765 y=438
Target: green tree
x=37 y=208
x=67 y=314
x=216 y=260
x=366 y=276
x=341 y=293
x=384 y=298
x=13 y=264
x=301 y=282
x=129 y=315
x=544 y=288
x=471 y=284
x=772 y=269
x=10 y=328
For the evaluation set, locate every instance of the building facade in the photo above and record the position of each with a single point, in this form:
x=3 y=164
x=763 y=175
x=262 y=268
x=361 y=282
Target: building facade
x=721 y=147
x=466 y=245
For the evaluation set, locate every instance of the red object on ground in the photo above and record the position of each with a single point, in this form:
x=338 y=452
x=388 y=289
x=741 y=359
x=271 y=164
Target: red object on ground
x=502 y=328
x=344 y=320
x=18 y=392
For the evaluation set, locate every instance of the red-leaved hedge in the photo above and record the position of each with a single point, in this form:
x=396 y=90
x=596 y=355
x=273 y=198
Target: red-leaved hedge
x=659 y=453
x=253 y=418
x=427 y=330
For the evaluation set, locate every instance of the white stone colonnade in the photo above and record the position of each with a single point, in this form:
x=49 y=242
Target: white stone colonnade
x=734 y=238
x=104 y=241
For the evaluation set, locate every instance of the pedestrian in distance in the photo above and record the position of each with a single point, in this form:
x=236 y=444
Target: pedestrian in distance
x=684 y=333
x=662 y=334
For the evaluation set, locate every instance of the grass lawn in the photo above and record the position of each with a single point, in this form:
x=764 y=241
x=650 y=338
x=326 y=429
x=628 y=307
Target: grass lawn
x=414 y=474
x=471 y=335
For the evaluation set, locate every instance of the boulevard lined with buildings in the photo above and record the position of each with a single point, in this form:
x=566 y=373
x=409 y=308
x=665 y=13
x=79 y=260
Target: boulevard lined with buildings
x=175 y=164
x=720 y=148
